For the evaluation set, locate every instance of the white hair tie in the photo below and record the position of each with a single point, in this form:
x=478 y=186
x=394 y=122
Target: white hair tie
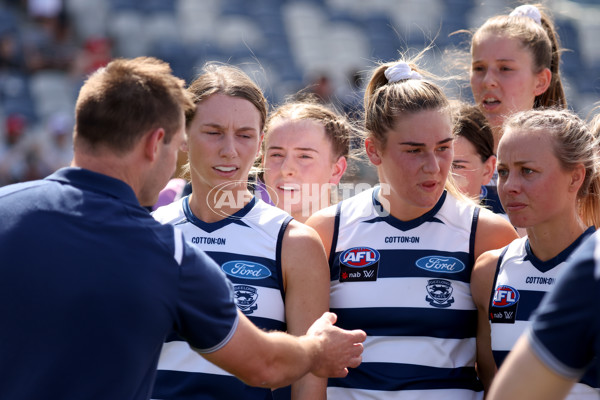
x=527 y=10
x=401 y=71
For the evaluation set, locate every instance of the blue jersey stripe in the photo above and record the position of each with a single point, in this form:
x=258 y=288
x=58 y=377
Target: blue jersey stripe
x=268 y=323
x=390 y=267
x=395 y=377
x=221 y=258
x=499 y=356
x=529 y=301
x=409 y=321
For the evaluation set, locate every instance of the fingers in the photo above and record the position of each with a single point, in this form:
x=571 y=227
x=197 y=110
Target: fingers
x=357 y=359
x=359 y=335
x=331 y=317
x=342 y=373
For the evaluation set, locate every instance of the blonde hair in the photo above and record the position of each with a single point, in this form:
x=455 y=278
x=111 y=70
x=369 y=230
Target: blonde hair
x=574 y=143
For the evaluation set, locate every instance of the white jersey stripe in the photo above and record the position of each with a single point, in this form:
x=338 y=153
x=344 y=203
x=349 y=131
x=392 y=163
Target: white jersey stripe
x=178 y=254
x=179 y=356
x=272 y=298
x=393 y=292
x=443 y=394
x=506 y=335
x=427 y=351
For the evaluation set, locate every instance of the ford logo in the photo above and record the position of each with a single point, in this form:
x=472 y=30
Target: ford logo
x=246 y=270
x=447 y=265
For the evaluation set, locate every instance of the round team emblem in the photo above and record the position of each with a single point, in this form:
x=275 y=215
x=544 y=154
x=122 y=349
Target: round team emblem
x=245 y=298
x=505 y=296
x=359 y=257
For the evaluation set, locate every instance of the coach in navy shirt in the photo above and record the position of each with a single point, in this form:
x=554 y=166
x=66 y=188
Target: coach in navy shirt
x=91 y=284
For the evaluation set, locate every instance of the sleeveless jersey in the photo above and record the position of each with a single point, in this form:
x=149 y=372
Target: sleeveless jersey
x=406 y=283
x=521 y=281
x=247 y=246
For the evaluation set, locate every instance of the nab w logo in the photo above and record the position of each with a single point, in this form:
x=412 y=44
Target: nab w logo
x=369 y=274
x=359 y=257
x=505 y=296
x=359 y=264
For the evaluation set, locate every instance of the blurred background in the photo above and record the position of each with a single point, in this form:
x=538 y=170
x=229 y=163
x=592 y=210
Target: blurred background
x=328 y=47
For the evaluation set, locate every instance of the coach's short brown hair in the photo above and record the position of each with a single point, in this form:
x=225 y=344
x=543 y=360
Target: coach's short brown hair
x=119 y=103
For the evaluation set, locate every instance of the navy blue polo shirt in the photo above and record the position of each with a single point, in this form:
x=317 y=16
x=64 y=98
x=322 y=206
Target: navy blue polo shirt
x=90 y=286
x=565 y=333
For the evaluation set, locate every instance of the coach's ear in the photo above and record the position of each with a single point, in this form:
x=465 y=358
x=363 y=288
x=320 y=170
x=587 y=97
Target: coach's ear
x=152 y=143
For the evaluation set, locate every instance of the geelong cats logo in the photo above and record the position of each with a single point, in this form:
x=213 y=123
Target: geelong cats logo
x=439 y=293
x=245 y=298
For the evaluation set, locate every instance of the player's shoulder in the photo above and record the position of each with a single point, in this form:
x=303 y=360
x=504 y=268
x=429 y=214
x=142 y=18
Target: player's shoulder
x=170 y=213
x=297 y=229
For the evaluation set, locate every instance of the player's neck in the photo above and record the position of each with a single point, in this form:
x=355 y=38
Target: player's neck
x=217 y=205
x=550 y=239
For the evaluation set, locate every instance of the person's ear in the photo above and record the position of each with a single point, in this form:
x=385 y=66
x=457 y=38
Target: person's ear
x=184 y=146
x=152 y=143
x=577 y=178
x=543 y=79
x=489 y=167
x=338 y=169
x=373 y=152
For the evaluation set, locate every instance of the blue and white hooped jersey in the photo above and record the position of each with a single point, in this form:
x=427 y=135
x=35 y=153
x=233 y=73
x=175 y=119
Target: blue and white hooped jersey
x=521 y=281
x=407 y=284
x=247 y=246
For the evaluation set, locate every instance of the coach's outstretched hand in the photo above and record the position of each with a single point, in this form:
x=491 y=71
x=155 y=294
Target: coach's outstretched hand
x=338 y=348
x=275 y=359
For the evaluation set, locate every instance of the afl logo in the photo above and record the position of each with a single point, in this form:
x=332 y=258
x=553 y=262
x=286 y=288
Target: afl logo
x=448 y=265
x=246 y=270
x=359 y=257
x=505 y=296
